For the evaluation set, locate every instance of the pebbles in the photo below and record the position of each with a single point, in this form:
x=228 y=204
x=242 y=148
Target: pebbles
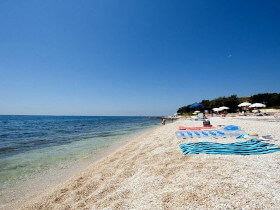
x=150 y=172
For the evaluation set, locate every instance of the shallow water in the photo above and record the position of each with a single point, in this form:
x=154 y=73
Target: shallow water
x=32 y=144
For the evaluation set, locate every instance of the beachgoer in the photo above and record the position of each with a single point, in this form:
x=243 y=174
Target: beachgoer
x=163 y=121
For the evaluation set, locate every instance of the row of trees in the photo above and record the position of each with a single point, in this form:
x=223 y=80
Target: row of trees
x=271 y=100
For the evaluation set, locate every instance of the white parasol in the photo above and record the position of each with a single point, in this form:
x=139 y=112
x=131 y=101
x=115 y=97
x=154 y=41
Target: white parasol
x=257 y=105
x=217 y=109
x=223 y=107
x=244 y=104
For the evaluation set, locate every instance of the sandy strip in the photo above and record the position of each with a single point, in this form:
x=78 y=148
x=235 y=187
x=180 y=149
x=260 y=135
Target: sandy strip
x=150 y=172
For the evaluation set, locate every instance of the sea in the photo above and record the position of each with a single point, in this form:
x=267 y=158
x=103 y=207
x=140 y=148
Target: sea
x=30 y=145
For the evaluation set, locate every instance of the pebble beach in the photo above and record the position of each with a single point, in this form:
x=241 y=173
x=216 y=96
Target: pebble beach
x=150 y=172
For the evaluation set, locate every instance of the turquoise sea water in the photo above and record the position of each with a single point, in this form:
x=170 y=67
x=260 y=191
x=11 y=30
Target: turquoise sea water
x=32 y=144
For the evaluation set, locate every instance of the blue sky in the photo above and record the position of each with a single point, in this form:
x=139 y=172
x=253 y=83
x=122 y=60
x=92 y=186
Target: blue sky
x=133 y=57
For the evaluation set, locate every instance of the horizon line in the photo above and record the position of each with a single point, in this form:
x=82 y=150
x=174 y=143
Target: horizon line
x=49 y=115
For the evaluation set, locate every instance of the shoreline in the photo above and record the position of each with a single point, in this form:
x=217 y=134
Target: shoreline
x=49 y=179
x=151 y=172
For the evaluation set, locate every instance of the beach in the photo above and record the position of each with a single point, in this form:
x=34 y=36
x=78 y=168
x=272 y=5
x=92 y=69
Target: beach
x=150 y=172
x=139 y=105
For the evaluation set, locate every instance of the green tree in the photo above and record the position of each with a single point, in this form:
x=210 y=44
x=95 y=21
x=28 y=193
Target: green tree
x=270 y=99
x=232 y=103
x=184 y=110
x=206 y=104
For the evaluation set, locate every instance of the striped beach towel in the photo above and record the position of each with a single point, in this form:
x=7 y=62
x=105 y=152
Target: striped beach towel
x=250 y=147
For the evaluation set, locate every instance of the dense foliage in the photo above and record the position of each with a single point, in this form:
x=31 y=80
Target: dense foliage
x=269 y=99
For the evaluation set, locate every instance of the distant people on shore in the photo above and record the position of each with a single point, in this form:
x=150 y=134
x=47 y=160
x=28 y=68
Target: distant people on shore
x=163 y=121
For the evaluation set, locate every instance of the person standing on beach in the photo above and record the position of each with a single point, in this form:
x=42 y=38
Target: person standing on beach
x=163 y=121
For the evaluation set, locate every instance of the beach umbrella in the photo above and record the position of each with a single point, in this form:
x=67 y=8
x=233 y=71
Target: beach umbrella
x=244 y=104
x=223 y=107
x=217 y=109
x=257 y=105
x=196 y=105
x=197 y=111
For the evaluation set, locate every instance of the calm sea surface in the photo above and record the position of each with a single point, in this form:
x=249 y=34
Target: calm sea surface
x=32 y=144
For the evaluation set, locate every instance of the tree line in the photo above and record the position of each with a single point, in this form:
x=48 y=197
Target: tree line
x=271 y=100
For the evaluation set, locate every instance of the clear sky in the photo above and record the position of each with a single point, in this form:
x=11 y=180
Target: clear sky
x=129 y=57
